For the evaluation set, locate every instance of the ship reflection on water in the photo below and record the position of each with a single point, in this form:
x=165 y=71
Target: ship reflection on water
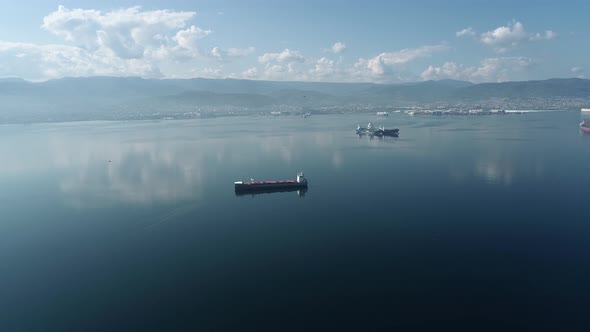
x=371 y=137
x=300 y=192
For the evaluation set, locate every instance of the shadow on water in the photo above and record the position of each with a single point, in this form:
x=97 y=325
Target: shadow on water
x=512 y=139
x=299 y=191
x=172 y=215
x=461 y=129
x=427 y=125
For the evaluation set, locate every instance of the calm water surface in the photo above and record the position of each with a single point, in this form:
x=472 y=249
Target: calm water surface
x=479 y=222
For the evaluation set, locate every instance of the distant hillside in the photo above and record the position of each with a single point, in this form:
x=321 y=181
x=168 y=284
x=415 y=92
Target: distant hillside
x=212 y=99
x=267 y=87
x=414 y=93
x=105 y=97
x=572 y=87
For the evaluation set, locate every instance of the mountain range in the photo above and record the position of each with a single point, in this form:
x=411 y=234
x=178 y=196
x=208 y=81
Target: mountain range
x=87 y=98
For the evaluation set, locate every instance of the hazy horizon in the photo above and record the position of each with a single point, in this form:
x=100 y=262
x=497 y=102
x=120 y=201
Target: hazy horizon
x=15 y=78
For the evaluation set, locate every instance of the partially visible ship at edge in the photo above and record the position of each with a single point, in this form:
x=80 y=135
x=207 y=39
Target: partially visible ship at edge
x=585 y=124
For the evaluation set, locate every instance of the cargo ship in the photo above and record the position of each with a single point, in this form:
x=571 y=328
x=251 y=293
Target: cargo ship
x=386 y=132
x=300 y=182
x=379 y=132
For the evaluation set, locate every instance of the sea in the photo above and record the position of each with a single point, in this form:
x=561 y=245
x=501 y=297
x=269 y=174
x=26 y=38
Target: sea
x=477 y=223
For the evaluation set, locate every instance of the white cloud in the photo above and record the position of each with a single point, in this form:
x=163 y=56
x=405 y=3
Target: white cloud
x=286 y=65
x=78 y=26
x=465 y=32
x=274 y=72
x=126 y=32
x=323 y=68
x=164 y=43
x=578 y=71
x=338 y=48
x=218 y=53
x=285 y=71
x=547 y=35
x=449 y=70
x=123 y=42
x=359 y=71
x=250 y=73
x=189 y=38
x=221 y=54
x=286 y=55
x=36 y=62
x=119 y=45
x=157 y=36
x=504 y=38
x=380 y=64
x=489 y=70
x=238 y=52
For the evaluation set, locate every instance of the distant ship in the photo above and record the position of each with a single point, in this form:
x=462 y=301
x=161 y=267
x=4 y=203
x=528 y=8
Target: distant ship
x=386 y=132
x=243 y=186
x=379 y=132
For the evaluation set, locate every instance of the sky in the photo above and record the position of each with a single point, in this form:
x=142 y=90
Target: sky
x=304 y=40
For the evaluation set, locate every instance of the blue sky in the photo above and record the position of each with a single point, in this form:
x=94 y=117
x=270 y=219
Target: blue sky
x=362 y=41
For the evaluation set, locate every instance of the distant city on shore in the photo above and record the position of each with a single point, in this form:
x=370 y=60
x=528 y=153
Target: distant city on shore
x=131 y=98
